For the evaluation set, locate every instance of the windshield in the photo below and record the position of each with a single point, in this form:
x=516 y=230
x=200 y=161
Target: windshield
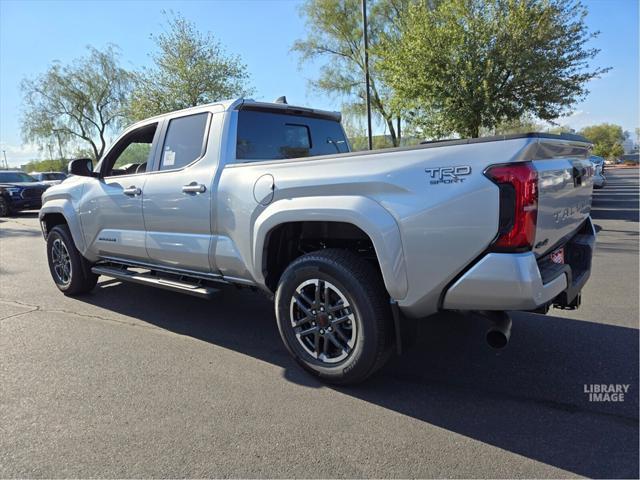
x=15 y=177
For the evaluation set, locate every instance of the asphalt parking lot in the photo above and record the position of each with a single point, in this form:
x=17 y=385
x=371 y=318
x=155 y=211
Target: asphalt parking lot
x=135 y=382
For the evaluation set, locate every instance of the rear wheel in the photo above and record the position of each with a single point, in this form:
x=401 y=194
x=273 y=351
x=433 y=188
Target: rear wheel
x=333 y=315
x=70 y=271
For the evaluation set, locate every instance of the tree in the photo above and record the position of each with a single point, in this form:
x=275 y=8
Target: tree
x=191 y=68
x=76 y=104
x=522 y=124
x=606 y=138
x=335 y=33
x=464 y=65
x=51 y=165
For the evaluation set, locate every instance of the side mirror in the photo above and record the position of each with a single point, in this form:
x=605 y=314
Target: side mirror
x=81 y=166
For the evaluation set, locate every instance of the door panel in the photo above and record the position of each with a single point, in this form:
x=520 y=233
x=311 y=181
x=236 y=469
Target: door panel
x=111 y=207
x=177 y=197
x=112 y=220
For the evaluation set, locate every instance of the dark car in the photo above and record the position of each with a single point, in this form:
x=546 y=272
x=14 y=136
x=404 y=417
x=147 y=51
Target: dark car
x=19 y=191
x=50 y=178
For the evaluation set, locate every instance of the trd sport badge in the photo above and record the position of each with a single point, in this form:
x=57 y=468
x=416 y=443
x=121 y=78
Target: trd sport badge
x=447 y=174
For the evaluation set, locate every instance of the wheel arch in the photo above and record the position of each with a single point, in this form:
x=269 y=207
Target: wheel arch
x=360 y=214
x=57 y=212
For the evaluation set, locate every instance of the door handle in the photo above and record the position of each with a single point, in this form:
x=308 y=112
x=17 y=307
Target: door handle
x=194 y=187
x=132 y=191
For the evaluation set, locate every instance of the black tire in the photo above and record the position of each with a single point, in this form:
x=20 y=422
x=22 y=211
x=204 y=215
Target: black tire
x=80 y=279
x=5 y=211
x=351 y=278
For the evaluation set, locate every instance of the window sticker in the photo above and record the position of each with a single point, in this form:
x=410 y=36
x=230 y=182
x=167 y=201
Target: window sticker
x=169 y=158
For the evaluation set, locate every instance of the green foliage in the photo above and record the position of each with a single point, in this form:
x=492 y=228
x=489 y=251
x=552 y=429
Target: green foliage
x=606 y=138
x=76 y=104
x=560 y=129
x=523 y=124
x=334 y=33
x=360 y=142
x=466 y=65
x=616 y=151
x=53 y=165
x=134 y=153
x=191 y=68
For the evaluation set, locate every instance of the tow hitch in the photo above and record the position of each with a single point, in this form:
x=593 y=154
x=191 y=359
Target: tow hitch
x=573 y=305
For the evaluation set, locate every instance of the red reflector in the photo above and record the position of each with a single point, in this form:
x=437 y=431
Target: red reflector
x=521 y=206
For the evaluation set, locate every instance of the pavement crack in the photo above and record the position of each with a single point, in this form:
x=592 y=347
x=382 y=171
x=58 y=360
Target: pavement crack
x=30 y=227
x=40 y=308
x=17 y=314
x=32 y=308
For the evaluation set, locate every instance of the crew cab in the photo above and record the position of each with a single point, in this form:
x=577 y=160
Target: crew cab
x=352 y=246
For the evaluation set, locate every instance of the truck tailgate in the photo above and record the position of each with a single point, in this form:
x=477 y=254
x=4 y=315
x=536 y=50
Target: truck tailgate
x=565 y=183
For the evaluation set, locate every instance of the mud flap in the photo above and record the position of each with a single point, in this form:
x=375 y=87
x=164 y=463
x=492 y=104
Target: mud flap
x=405 y=329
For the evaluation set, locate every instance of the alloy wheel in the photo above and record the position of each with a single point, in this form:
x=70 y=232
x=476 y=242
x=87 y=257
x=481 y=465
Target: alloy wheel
x=323 y=321
x=61 y=261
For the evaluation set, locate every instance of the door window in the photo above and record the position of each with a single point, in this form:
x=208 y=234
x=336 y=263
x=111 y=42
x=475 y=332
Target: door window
x=185 y=141
x=131 y=154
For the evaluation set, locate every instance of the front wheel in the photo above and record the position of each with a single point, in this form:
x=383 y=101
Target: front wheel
x=333 y=315
x=4 y=208
x=70 y=271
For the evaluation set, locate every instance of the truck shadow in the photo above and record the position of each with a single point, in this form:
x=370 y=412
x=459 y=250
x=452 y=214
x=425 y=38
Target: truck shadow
x=528 y=399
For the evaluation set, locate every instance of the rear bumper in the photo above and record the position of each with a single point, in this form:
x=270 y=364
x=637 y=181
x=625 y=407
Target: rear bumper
x=505 y=281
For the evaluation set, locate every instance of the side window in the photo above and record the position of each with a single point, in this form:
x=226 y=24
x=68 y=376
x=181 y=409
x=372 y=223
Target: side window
x=184 y=142
x=131 y=154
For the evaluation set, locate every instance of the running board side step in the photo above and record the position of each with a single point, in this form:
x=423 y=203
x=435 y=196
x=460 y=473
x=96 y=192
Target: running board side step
x=149 y=279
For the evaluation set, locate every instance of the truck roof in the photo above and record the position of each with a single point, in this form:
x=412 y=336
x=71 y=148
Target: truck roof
x=236 y=104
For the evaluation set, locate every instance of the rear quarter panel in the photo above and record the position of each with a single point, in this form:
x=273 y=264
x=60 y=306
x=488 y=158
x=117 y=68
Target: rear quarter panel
x=443 y=227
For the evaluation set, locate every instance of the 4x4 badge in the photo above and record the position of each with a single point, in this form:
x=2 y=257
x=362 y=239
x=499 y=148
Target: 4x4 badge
x=447 y=174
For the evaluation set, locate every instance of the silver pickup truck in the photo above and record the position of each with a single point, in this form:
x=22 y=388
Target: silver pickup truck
x=352 y=245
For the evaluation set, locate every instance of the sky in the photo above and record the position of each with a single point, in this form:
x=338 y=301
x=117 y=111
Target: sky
x=35 y=33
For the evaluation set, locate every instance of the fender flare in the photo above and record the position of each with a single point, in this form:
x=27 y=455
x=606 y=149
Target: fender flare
x=65 y=208
x=365 y=213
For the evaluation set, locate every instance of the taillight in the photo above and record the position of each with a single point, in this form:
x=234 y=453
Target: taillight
x=518 y=183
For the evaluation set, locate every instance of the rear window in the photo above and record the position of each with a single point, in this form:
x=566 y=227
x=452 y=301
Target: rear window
x=272 y=136
x=54 y=176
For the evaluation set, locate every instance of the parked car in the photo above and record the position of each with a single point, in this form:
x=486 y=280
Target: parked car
x=630 y=159
x=353 y=246
x=50 y=178
x=599 y=180
x=19 y=191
